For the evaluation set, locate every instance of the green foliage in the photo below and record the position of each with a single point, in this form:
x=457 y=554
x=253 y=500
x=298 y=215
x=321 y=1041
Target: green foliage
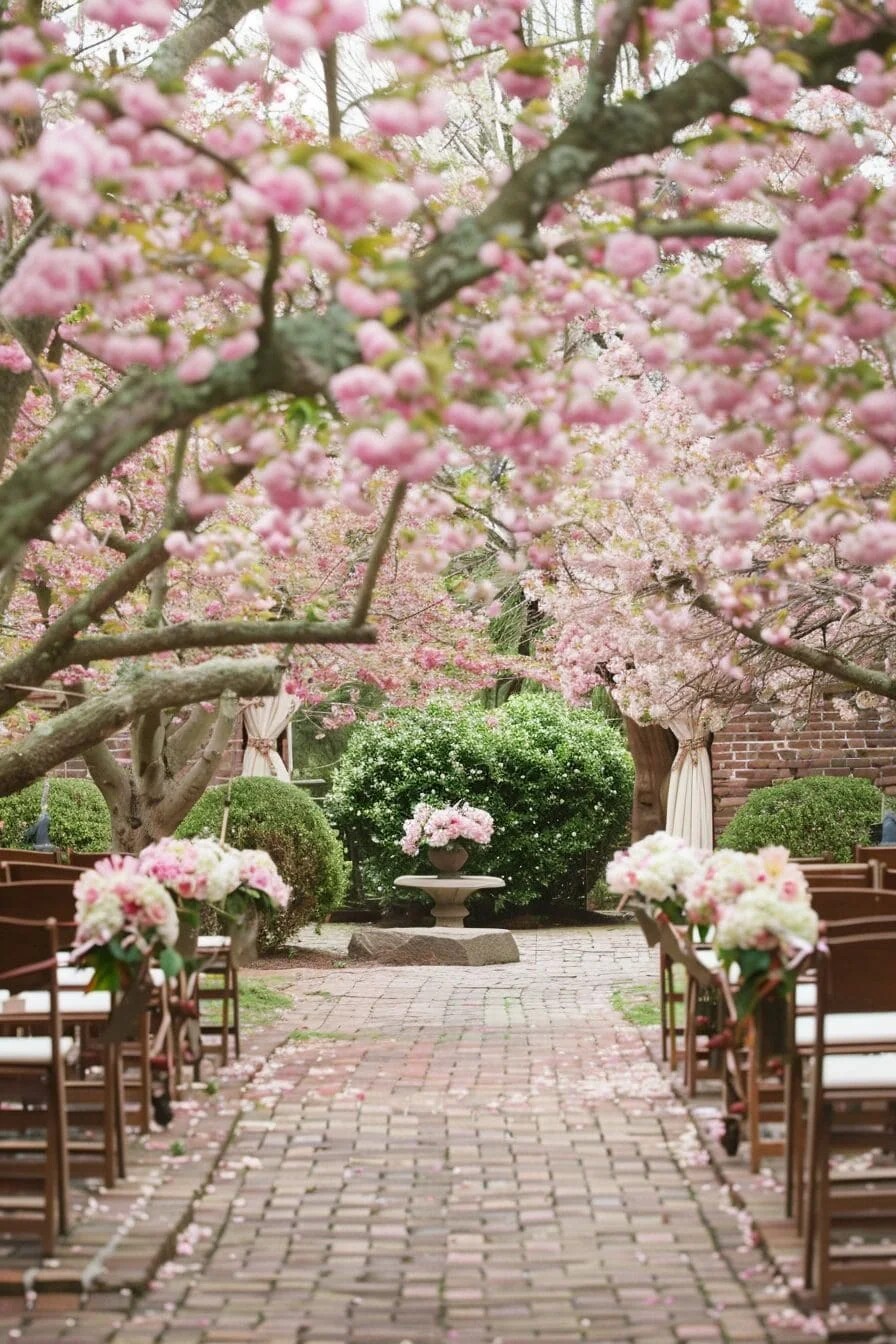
x=557 y=781
x=269 y=814
x=79 y=817
x=823 y=814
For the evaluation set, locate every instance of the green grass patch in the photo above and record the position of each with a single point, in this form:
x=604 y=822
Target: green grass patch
x=638 y=1004
x=261 y=1001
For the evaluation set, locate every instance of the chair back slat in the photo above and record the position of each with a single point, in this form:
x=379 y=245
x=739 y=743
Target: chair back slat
x=29 y=856
x=820 y=875
x=883 y=854
x=41 y=900
x=38 y=872
x=78 y=859
x=855 y=972
x=832 y=903
x=28 y=943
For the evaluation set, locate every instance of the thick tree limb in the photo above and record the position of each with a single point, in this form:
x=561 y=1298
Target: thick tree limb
x=187 y=790
x=189 y=737
x=820 y=660
x=177 y=53
x=77 y=729
x=108 y=776
x=216 y=635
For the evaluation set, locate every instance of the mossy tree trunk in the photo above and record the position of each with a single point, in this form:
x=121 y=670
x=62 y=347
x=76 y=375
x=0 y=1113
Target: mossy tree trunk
x=172 y=762
x=653 y=750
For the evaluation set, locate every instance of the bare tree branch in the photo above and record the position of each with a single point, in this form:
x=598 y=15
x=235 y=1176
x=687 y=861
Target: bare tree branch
x=215 y=635
x=820 y=660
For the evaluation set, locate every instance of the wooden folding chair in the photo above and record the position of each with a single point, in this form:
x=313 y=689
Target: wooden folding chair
x=32 y=1091
x=852 y=1096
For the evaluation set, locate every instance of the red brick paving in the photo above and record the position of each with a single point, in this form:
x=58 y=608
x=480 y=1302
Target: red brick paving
x=460 y=1156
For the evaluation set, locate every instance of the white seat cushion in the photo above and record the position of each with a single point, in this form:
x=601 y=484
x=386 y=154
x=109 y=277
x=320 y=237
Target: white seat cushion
x=74 y=977
x=20 y=1050
x=849 y=1029
x=806 y=994
x=858 y=1072
x=157 y=976
x=212 y=942
x=71 y=1001
x=707 y=958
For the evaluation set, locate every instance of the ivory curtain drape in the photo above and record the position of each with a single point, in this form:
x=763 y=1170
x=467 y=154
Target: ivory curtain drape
x=689 y=808
x=266 y=719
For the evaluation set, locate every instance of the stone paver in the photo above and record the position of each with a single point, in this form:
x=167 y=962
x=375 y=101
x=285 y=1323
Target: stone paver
x=453 y=1155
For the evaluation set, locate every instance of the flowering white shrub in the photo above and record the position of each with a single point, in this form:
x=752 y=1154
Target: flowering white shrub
x=443 y=827
x=656 y=869
x=123 y=917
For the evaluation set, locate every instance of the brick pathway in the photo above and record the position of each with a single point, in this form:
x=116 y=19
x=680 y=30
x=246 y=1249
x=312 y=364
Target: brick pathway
x=456 y=1156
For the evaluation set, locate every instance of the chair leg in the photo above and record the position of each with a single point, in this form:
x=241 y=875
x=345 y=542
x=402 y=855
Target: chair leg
x=823 y=1239
x=753 y=1108
x=690 y=1038
x=59 y=1147
x=225 y=1015
x=111 y=1156
x=664 y=1010
x=810 y=1201
x=235 y=986
x=797 y=1126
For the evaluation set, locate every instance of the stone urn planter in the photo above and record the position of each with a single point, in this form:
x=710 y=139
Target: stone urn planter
x=447 y=860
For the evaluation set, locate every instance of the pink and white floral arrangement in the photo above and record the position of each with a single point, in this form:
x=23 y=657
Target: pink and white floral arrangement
x=444 y=827
x=129 y=909
x=767 y=928
x=756 y=907
x=124 y=916
x=655 y=869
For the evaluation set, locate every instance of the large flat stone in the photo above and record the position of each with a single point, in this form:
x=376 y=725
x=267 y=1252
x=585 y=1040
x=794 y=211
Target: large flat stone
x=433 y=947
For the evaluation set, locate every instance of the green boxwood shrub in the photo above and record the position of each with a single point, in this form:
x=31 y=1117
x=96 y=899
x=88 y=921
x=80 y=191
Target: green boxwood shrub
x=558 y=782
x=269 y=814
x=822 y=814
x=79 y=817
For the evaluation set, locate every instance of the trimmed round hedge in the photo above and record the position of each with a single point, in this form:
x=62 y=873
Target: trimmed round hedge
x=558 y=782
x=79 y=817
x=282 y=819
x=822 y=814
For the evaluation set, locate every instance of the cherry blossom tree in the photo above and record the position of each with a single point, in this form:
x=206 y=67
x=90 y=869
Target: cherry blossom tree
x=192 y=255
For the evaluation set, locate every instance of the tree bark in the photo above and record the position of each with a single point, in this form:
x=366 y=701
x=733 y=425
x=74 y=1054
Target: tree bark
x=77 y=729
x=653 y=750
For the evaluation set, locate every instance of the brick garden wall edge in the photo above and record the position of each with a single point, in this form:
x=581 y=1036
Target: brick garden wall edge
x=750 y=753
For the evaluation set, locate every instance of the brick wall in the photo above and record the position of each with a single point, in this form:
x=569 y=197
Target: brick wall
x=230 y=765
x=749 y=753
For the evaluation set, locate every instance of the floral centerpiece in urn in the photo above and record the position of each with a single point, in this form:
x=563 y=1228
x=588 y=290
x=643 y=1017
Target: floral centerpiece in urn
x=440 y=831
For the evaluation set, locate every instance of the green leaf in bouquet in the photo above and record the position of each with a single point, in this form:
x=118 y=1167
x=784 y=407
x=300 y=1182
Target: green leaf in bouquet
x=171 y=962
